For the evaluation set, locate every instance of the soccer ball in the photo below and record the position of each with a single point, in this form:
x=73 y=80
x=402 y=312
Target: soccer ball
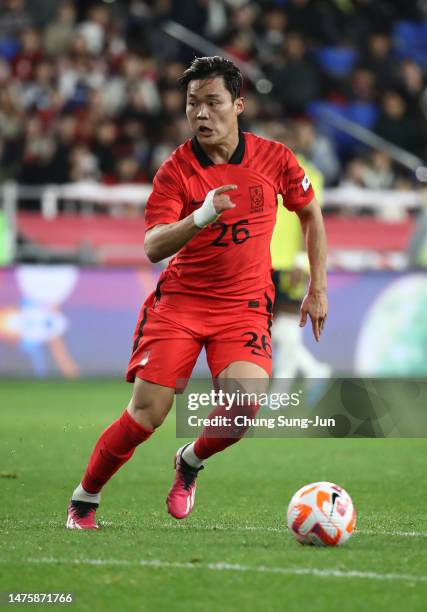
x=321 y=514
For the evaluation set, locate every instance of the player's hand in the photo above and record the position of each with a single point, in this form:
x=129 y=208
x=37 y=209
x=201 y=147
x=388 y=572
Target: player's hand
x=315 y=305
x=216 y=202
x=221 y=199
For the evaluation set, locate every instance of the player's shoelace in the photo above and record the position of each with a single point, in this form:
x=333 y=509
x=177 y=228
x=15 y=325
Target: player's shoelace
x=188 y=473
x=82 y=509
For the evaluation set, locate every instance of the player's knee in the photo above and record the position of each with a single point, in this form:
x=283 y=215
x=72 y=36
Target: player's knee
x=150 y=409
x=147 y=414
x=150 y=414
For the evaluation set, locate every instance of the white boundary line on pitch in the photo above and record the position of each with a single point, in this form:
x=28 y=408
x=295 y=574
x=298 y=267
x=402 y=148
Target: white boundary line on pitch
x=400 y=534
x=222 y=566
x=284 y=529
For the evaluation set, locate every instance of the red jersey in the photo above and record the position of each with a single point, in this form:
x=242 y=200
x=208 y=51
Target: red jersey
x=230 y=258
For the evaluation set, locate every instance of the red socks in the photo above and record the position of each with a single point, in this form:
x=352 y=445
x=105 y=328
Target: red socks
x=215 y=439
x=118 y=442
x=115 y=446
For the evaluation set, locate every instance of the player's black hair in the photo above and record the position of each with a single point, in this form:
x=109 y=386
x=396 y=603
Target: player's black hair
x=215 y=66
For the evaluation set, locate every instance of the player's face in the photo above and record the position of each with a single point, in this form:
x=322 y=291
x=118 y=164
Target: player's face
x=211 y=111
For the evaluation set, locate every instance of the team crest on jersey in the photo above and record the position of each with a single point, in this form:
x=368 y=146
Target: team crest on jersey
x=257 y=198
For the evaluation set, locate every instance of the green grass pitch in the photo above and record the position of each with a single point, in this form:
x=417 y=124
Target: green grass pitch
x=234 y=552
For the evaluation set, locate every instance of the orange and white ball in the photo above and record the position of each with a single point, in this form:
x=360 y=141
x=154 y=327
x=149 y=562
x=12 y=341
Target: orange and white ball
x=321 y=514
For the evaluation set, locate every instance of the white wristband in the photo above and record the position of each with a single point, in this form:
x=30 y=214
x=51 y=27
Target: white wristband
x=206 y=213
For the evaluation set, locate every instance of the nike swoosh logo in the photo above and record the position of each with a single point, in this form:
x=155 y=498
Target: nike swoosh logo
x=334 y=497
x=196 y=202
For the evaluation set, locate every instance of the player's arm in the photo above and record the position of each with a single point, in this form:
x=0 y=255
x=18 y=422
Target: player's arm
x=315 y=303
x=164 y=240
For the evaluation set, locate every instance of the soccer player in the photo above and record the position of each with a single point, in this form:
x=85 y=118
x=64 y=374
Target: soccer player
x=213 y=205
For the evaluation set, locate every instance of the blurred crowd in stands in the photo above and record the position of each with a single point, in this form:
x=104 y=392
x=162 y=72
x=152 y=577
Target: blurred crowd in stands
x=88 y=90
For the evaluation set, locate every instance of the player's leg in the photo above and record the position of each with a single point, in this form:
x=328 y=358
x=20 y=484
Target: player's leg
x=165 y=349
x=239 y=356
x=243 y=376
x=147 y=409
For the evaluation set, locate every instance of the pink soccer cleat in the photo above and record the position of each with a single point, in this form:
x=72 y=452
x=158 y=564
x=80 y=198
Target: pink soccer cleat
x=81 y=515
x=181 y=496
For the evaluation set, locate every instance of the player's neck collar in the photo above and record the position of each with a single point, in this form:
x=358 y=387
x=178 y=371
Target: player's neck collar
x=206 y=161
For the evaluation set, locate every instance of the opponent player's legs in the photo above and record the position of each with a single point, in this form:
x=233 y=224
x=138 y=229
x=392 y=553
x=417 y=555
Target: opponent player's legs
x=147 y=409
x=244 y=376
x=291 y=355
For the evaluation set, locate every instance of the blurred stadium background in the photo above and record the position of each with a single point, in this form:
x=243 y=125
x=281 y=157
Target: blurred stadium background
x=90 y=107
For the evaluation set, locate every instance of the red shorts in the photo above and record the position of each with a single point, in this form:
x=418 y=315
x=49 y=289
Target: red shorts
x=171 y=332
